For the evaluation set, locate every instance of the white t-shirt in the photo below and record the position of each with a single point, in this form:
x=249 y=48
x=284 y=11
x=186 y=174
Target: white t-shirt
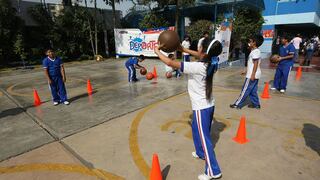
x=296 y=42
x=186 y=44
x=197 y=72
x=200 y=42
x=316 y=39
x=255 y=55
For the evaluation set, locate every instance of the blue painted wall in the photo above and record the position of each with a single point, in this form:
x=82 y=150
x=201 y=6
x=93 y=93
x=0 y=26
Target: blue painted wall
x=291 y=7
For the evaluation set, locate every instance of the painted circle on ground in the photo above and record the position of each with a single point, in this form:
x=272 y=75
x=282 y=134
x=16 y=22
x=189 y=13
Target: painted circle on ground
x=11 y=90
x=133 y=136
x=69 y=168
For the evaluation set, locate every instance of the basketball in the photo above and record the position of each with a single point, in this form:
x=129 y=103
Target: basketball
x=169 y=40
x=149 y=76
x=274 y=58
x=169 y=74
x=143 y=71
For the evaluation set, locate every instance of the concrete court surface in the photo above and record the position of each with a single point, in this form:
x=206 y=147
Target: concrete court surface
x=108 y=135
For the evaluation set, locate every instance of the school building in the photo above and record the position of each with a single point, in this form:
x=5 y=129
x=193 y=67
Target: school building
x=289 y=17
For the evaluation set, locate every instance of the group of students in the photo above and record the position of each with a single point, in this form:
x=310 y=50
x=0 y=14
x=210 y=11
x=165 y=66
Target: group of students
x=133 y=62
x=303 y=45
x=200 y=76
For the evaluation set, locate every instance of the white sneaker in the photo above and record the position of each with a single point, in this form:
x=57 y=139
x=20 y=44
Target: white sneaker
x=55 y=103
x=195 y=155
x=282 y=91
x=206 y=177
x=273 y=89
x=66 y=102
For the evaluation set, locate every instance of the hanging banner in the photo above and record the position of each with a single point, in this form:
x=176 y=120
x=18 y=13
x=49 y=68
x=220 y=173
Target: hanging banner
x=268 y=33
x=133 y=42
x=223 y=34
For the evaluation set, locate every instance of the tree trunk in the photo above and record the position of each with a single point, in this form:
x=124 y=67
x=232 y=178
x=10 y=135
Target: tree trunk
x=90 y=30
x=95 y=27
x=113 y=13
x=177 y=15
x=106 y=42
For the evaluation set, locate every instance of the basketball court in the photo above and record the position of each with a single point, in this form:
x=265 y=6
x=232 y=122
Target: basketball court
x=113 y=133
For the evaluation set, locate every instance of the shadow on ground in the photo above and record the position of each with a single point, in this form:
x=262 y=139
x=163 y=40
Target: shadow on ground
x=165 y=172
x=216 y=129
x=11 y=112
x=311 y=134
x=75 y=98
x=15 y=111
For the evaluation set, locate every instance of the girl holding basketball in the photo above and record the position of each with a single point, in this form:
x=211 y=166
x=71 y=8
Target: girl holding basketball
x=200 y=92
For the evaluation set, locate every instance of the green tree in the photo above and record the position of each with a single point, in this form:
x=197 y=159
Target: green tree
x=112 y=3
x=69 y=32
x=165 y=3
x=179 y=4
x=196 y=29
x=10 y=25
x=247 y=22
x=152 y=20
x=45 y=29
x=19 y=48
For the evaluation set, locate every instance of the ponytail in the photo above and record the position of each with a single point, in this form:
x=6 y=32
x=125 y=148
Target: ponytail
x=212 y=67
x=211 y=59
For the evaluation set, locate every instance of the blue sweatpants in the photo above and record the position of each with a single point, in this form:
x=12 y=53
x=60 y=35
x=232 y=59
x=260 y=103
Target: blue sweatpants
x=58 y=89
x=178 y=73
x=186 y=58
x=250 y=88
x=201 y=126
x=281 y=77
x=131 y=73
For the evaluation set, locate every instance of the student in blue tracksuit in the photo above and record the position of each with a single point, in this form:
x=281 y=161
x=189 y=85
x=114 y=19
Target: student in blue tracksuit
x=250 y=86
x=286 y=52
x=132 y=64
x=54 y=71
x=200 y=76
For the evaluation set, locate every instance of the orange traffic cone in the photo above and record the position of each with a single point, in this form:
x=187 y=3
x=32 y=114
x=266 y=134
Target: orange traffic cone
x=89 y=87
x=154 y=72
x=299 y=73
x=265 y=94
x=241 y=134
x=155 y=170
x=36 y=98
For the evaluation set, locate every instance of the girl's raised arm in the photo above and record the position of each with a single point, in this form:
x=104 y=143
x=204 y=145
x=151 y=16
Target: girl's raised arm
x=166 y=60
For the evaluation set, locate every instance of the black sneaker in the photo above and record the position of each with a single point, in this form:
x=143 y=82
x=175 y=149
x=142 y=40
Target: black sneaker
x=234 y=106
x=252 y=106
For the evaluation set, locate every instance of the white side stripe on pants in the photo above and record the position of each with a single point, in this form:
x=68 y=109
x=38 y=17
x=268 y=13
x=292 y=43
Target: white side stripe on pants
x=289 y=75
x=203 y=141
x=243 y=91
x=131 y=73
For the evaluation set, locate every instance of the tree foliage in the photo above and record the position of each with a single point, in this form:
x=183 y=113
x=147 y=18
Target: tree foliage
x=19 y=47
x=112 y=3
x=196 y=29
x=68 y=33
x=247 y=23
x=152 y=20
x=10 y=25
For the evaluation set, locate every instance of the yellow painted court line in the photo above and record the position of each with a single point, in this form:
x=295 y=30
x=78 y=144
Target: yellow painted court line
x=11 y=91
x=134 y=146
x=133 y=136
x=133 y=139
x=295 y=132
x=69 y=168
